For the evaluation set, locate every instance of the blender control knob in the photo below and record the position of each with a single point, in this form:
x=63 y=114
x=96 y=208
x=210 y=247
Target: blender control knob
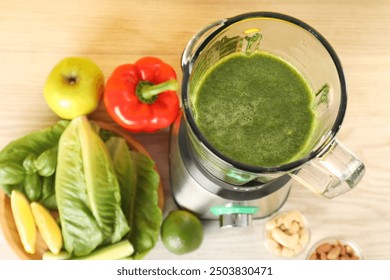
x=235 y=220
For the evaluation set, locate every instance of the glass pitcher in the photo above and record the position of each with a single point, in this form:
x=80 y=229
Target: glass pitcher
x=328 y=168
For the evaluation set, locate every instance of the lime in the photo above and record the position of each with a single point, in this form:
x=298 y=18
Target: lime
x=181 y=232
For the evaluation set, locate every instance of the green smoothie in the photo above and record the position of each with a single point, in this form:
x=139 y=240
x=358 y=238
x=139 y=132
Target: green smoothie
x=255 y=109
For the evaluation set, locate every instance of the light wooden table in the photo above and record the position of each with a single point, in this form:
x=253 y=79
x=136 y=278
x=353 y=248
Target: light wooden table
x=35 y=35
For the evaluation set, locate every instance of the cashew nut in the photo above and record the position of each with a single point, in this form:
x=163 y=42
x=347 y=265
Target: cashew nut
x=304 y=237
x=291 y=217
x=294 y=228
x=284 y=239
x=286 y=234
x=274 y=246
x=287 y=252
x=270 y=225
x=280 y=219
x=297 y=248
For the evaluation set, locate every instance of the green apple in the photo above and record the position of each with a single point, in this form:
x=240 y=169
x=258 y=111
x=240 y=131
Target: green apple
x=74 y=87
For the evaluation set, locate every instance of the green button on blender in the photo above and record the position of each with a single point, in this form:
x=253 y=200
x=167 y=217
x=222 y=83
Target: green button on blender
x=235 y=215
x=234 y=209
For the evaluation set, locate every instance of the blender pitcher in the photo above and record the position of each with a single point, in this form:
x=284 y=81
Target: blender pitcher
x=327 y=168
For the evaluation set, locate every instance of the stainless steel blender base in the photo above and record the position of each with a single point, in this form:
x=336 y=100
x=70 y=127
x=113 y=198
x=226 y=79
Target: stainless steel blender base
x=194 y=189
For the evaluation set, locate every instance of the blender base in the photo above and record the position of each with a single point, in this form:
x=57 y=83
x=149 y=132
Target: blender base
x=195 y=189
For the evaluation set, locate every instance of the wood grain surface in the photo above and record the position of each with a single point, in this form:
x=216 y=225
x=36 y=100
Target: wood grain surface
x=35 y=35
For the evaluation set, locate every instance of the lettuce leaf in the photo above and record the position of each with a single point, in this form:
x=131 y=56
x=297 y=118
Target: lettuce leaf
x=80 y=230
x=147 y=217
x=87 y=191
x=126 y=173
x=102 y=184
x=139 y=187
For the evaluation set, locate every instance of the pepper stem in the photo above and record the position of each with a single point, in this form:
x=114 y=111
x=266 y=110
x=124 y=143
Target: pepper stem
x=148 y=92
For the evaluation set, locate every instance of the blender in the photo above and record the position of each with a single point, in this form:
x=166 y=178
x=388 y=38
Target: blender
x=213 y=186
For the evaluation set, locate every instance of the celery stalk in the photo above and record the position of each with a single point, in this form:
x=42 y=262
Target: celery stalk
x=116 y=251
x=62 y=255
x=120 y=250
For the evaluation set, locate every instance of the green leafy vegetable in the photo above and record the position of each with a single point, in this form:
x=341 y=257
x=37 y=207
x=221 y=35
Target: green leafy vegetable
x=102 y=184
x=33 y=143
x=105 y=134
x=126 y=173
x=48 y=198
x=11 y=173
x=19 y=155
x=50 y=202
x=28 y=163
x=46 y=162
x=47 y=186
x=101 y=190
x=9 y=188
x=147 y=217
x=87 y=191
x=80 y=230
x=32 y=186
x=139 y=188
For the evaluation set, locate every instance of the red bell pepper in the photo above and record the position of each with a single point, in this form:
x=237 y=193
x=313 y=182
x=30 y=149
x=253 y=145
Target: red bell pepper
x=141 y=97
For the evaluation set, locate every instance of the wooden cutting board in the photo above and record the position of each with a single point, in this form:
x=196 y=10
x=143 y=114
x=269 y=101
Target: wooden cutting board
x=7 y=220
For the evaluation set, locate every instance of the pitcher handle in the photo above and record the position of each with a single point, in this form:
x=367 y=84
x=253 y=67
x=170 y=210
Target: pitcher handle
x=333 y=173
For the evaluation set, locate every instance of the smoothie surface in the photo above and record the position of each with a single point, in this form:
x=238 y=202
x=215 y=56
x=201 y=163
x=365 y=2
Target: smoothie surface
x=255 y=109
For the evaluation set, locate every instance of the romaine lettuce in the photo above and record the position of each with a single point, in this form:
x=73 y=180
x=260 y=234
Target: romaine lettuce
x=139 y=184
x=126 y=172
x=147 y=216
x=87 y=191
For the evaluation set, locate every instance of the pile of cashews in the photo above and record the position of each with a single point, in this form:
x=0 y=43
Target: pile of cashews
x=287 y=234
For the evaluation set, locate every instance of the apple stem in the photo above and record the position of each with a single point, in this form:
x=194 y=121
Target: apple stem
x=70 y=80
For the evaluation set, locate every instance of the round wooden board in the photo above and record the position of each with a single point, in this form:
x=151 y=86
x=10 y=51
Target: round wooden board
x=7 y=220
